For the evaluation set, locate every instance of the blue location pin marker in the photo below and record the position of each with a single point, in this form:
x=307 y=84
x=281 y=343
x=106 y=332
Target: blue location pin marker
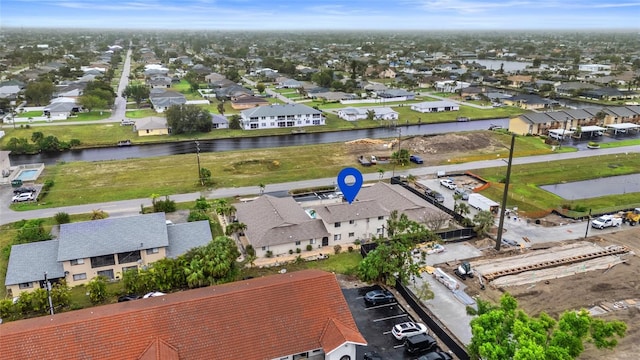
x=350 y=190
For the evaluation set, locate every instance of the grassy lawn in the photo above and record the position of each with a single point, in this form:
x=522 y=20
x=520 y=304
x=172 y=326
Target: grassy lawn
x=90 y=182
x=142 y=113
x=28 y=114
x=90 y=116
x=344 y=263
x=90 y=134
x=525 y=179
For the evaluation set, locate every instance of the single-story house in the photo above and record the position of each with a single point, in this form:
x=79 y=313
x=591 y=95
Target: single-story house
x=88 y=249
x=151 y=126
x=279 y=116
x=451 y=86
x=301 y=315
x=219 y=121
x=528 y=101
x=246 y=101
x=397 y=93
x=163 y=99
x=61 y=108
x=435 y=106
x=361 y=113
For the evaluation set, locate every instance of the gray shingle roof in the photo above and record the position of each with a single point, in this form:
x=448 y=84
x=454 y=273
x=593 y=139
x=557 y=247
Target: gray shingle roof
x=29 y=262
x=111 y=236
x=357 y=210
x=272 y=221
x=185 y=236
x=151 y=123
x=280 y=110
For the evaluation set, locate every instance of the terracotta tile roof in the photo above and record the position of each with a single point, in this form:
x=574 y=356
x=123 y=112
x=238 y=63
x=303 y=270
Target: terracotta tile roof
x=262 y=318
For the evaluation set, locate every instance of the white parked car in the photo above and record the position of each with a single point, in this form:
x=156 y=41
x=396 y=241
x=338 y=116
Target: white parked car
x=153 y=294
x=436 y=249
x=448 y=183
x=23 y=197
x=606 y=221
x=406 y=329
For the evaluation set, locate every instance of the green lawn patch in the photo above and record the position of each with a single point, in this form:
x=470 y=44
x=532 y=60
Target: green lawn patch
x=526 y=179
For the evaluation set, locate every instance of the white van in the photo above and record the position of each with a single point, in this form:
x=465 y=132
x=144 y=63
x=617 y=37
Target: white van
x=555 y=135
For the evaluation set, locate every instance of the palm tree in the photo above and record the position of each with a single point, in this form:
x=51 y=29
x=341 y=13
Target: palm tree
x=223 y=208
x=463 y=209
x=380 y=174
x=235 y=228
x=262 y=186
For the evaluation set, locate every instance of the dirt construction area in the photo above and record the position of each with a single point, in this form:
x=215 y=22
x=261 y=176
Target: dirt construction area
x=433 y=149
x=600 y=274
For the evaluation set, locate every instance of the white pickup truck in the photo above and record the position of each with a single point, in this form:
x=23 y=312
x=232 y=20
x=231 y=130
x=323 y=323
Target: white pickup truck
x=606 y=221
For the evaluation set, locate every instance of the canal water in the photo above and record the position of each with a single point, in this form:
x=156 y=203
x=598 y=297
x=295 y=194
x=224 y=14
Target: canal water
x=258 y=142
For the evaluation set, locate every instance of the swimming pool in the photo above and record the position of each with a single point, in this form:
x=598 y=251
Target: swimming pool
x=27 y=175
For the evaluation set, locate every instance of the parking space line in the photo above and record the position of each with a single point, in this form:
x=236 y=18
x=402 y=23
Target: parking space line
x=386 y=332
x=390 y=317
x=398 y=346
x=379 y=306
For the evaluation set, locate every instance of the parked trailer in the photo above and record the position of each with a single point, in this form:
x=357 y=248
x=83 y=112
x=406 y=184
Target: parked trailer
x=483 y=203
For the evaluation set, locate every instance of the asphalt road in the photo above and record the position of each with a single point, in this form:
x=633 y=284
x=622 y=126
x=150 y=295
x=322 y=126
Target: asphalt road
x=131 y=207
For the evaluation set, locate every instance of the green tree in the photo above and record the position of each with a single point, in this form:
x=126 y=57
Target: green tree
x=97 y=289
x=39 y=93
x=212 y=264
x=90 y=102
x=235 y=228
x=37 y=136
x=205 y=177
x=234 y=122
x=62 y=218
x=223 y=208
x=221 y=107
x=504 y=332
x=260 y=87
x=188 y=119
x=30 y=231
x=137 y=92
x=323 y=78
x=50 y=144
x=371 y=114
x=483 y=221
x=401 y=157
x=232 y=74
x=202 y=204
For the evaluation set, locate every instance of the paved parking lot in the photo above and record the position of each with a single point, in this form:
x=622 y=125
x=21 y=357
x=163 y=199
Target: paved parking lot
x=375 y=324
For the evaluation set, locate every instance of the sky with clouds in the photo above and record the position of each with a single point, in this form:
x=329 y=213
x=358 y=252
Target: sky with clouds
x=323 y=14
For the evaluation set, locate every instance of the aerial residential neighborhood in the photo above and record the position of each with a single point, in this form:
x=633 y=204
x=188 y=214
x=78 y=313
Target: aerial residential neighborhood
x=300 y=181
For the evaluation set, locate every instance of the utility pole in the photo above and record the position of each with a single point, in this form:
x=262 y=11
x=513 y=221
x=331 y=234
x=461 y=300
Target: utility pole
x=503 y=206
x=586 y=231
x=398 y=156
x=198 y=156
x=48 y=286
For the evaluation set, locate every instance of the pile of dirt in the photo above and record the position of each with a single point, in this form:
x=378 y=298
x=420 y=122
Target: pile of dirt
x=433 y=148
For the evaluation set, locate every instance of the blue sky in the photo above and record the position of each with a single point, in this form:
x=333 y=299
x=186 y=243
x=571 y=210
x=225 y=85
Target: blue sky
x=323 y=14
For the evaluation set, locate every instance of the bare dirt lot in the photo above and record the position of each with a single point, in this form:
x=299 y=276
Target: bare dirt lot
x=433 y=149
x=616 y=289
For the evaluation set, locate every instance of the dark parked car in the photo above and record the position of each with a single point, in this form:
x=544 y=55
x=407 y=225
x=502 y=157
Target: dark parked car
x=128 y=298
x=416 y=159
x=436 y=355
x=435 y=195
x=22 y=190
x=372 y=356
x=376 y=297
x=420 y=344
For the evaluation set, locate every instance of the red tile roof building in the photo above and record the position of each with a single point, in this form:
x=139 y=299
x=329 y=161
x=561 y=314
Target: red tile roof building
x=274 y=317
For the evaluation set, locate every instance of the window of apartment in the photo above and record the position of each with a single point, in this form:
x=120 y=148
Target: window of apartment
x=297 y=242
x=105 y=260
x=106 y=273
x=264 y=248
x=337 y=224
x=129 y=268
x=337 y=237
x=129 y=257
x=263 y=125
x=352 y=222
x=316 y=122
x=153 y=251
x=77 y=277
x=27 y=285
x=300 y=356
x=312 y=241
x=77 y=261
x=352 y=234
x=379 y=231
x=380 y=217
x=253 y=126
